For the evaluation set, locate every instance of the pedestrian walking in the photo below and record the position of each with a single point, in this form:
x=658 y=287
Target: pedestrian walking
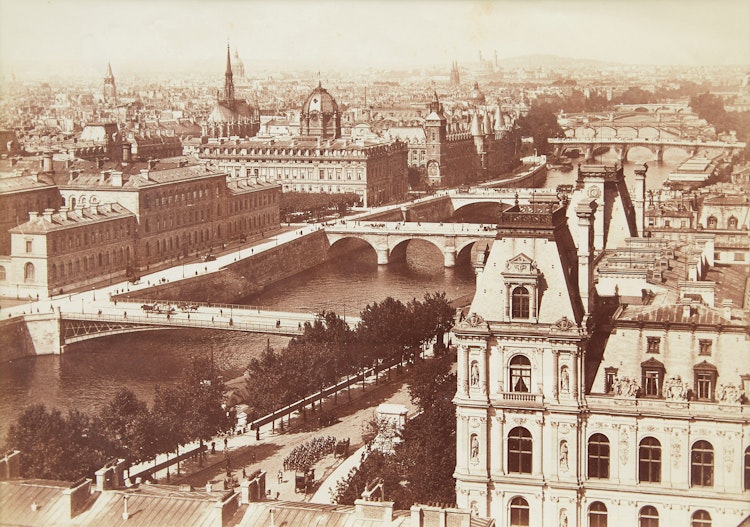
x=226 y=442
x=213 y=447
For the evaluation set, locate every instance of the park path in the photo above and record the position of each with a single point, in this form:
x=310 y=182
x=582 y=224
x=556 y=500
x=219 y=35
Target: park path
x=268 y=453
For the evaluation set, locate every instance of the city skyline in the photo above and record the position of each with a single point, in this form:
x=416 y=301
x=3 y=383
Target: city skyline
x=57 y=37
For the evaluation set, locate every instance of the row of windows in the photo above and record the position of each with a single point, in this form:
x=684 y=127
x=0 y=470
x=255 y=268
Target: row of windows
x=89 y=264
x=713 y=223
x=87 y=237
x=653 y=345
x=648 y=516
x=520 y=452
x=281 y=152
x=191 y=194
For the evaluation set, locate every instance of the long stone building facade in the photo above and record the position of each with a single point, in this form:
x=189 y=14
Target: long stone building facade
x=89 y=223
x=319 y=160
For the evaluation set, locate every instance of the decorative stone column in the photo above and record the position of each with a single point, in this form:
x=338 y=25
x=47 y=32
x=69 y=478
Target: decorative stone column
x=485 y=371
x=556 y=374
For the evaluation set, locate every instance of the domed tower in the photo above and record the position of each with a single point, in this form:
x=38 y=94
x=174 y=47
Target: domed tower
x=110 y=90
x=477 y=96
x=320 y=115
x=238 y=67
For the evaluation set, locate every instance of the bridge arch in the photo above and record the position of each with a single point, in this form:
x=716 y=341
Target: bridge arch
x=349 y=243
x=398 y=249
x=479 y=212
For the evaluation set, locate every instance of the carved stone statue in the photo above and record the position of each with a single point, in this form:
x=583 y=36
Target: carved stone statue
x=625 y=387
x=474 y=373
x=474 y=449
x=564 y=456
x=564 y=379
x=675 y=389
x=729 y=393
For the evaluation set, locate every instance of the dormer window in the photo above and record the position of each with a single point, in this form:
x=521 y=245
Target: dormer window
x=521 y=277
x=652 y=372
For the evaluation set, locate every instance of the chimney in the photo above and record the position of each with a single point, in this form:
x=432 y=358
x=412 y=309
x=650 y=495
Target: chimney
x=127 y=152
x=726 y=308
x=151 y=164
x=47 y=215
x=145 y=173
x=99 y=163
x=640 y=197
x=35 y=176
x=33 y=215
x=68 y=163
x=47 y=162
x=116 y=178
x=585 y=212
x=103 y=176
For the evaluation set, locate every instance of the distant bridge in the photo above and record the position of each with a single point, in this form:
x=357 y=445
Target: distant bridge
x=623 y=145
x=391 y=238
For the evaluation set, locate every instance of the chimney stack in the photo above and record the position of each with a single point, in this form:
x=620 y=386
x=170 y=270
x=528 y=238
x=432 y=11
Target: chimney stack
x=127 y=152
x=33 y=215
x=145 y=173
x=585 y=212
x=35 y=176
x=116 y=178
x=640 y=197
x=47 y=162
x=99 y=163
x=47 y=215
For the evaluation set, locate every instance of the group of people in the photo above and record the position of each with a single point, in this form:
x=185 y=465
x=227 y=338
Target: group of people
x=304 y=456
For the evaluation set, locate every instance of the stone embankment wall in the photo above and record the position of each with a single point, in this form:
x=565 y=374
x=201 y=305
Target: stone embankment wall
x=29 y=335
x=246 y=277
x=432 y=211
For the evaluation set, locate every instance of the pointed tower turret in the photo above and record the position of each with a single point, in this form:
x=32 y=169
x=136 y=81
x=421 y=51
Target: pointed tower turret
x=110 y=90
x=499 y=124
x=487 y=124
x=229 y=82
x=476 y=125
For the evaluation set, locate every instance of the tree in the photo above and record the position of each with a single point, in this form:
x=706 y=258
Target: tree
x=541 y=123
x=127 y=423
x=203 y=390
x=56 y=447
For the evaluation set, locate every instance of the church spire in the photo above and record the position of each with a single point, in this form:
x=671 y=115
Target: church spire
x=228 y=81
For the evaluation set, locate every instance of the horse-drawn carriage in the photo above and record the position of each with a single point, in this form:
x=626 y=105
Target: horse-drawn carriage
x=342 y=448
x=303 y=481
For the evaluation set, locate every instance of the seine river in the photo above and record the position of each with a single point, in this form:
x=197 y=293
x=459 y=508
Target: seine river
x=89 y=373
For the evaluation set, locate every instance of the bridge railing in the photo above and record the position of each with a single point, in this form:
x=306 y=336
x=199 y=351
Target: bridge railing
x=217 y=305
x=160 y=319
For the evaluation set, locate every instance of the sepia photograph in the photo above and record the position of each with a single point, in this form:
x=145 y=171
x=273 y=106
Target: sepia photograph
x=375 y=263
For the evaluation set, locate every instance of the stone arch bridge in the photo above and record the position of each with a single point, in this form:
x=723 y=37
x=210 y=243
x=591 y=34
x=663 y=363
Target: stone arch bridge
x=587 y=146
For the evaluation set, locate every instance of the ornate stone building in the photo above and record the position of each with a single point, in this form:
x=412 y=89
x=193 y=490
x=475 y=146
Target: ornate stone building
x=580 y=409
x=319 y=160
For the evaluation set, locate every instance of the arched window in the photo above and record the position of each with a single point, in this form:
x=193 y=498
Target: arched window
x=649 y=460
x=712 y=222
x=28 y=272
x=520 y=374
x=732 y=223
x=2 y=273
x=519 y=451
x=747 y=468
x=597 y=514
x=598 y=456
x=520 y=302
x=519 y=512
x=702 y=464
x=700 y=518
x=648 y=517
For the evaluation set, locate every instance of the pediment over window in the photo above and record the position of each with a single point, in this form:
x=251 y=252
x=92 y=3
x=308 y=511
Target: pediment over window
x=521 y=264
x=652 y=363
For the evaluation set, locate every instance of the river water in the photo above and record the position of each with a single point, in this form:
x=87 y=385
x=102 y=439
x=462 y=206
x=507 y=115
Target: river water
x=89 y=373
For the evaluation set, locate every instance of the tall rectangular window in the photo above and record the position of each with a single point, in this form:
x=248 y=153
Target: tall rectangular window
x=28 y=246
x=653 y=344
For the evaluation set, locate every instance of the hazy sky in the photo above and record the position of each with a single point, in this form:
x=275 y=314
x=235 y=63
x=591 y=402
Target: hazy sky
x=57 y=36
